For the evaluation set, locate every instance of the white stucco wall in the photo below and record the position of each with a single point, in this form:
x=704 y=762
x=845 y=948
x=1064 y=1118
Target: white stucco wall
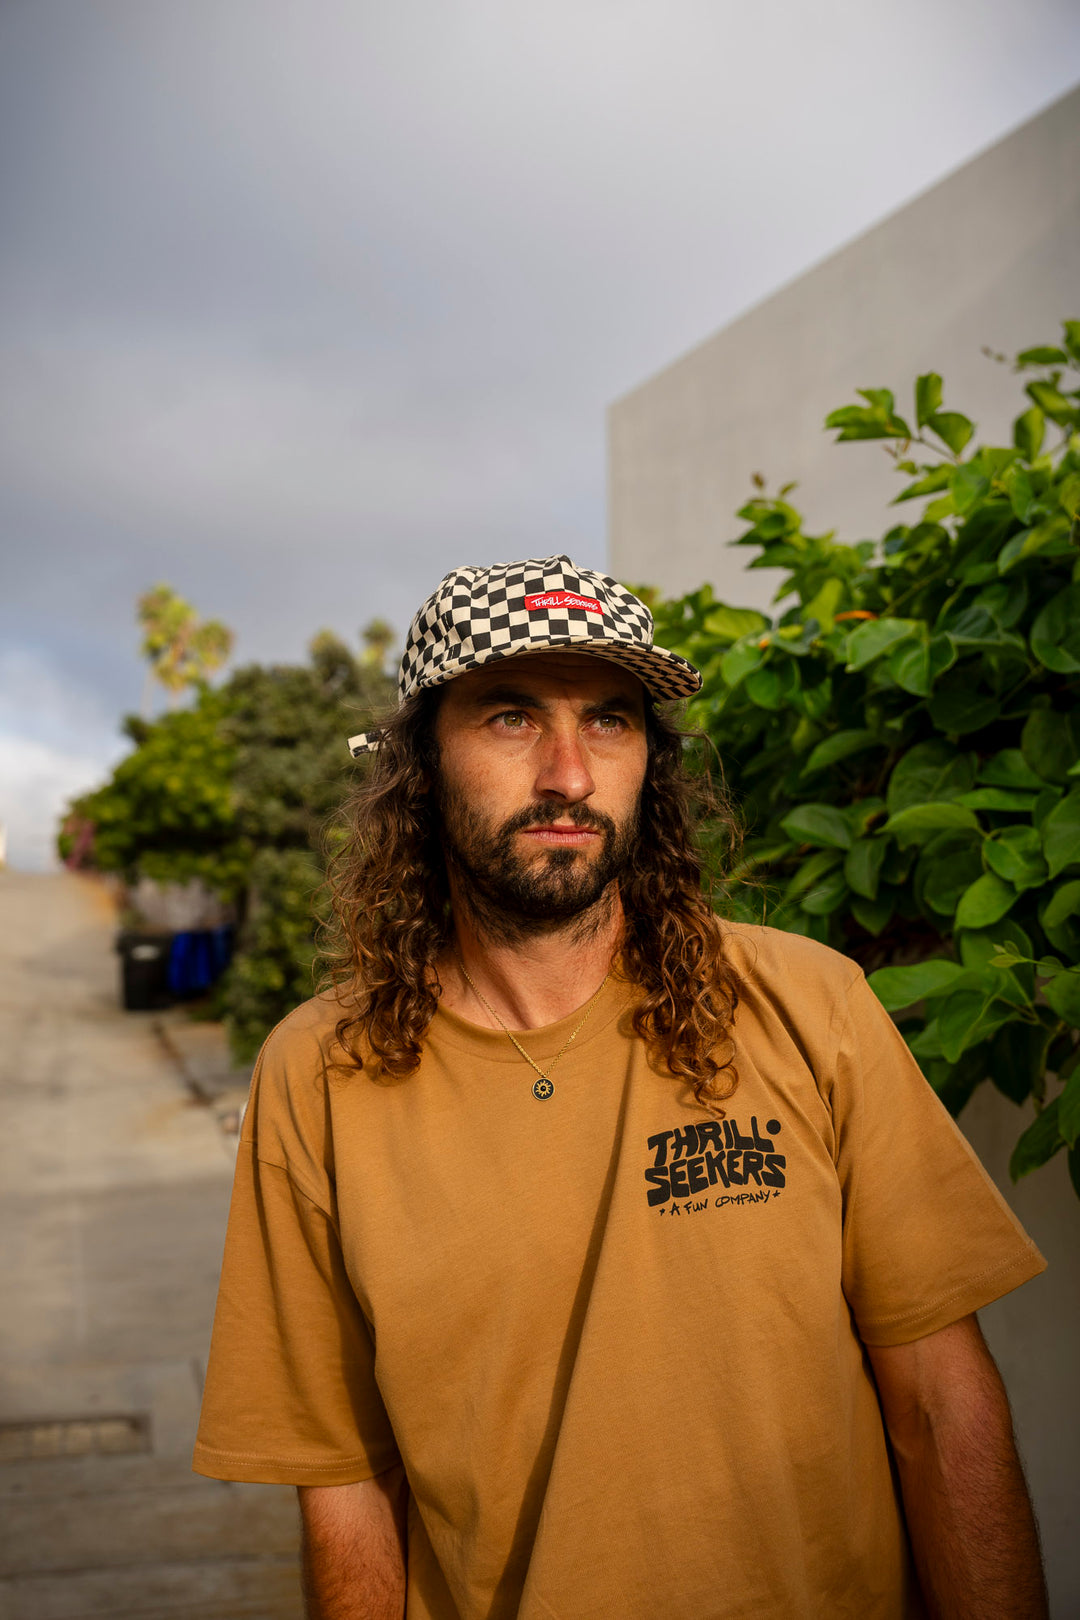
x=990 y=256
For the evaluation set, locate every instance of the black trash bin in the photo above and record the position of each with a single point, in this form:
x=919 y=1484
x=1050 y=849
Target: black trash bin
x=144 y=965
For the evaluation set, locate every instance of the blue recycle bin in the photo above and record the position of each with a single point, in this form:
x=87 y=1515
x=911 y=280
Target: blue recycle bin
x=197 y=957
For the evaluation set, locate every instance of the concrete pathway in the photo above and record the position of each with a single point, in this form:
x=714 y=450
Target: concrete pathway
x=115 y=1167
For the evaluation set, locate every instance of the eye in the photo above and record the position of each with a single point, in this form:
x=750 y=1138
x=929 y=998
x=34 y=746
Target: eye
x=512 y=719
x=609 y=722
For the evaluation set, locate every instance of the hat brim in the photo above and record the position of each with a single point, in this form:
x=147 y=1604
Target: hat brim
x=665 y=675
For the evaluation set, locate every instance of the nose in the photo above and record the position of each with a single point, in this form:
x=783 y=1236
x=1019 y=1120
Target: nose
x=562 y=770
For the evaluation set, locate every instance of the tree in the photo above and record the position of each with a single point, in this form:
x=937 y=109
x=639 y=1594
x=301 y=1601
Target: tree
x=378 y=638
x=905 y=738
x=169 y=810
x=289 y=724
x=236 y=791
x=182 y=648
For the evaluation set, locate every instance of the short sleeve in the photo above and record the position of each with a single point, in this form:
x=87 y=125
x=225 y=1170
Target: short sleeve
x=290 y=1394
x=927 y=1236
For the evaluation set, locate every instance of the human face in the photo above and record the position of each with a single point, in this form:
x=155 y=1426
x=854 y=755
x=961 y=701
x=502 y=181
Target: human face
x=541 y=763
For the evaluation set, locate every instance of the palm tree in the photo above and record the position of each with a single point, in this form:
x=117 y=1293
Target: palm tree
x=182 y=648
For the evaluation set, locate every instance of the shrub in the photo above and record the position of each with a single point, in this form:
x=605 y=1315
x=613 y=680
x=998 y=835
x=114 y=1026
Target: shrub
x=905 y=738
x=235 y=791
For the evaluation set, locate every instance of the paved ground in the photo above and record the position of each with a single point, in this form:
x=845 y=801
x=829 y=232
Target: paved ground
x=115 y=1164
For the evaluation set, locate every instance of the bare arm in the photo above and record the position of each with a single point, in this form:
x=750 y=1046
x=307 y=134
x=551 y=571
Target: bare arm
x=968 y=1512
x=354 y=1548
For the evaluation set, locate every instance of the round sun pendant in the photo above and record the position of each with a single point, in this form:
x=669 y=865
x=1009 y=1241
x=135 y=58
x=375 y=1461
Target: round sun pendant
x=542 y=1090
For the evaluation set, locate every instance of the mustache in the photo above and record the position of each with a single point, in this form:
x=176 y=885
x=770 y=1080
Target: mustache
x=543 y=815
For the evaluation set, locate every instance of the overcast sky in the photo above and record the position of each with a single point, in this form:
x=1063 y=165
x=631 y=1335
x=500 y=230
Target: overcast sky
x=303 y=304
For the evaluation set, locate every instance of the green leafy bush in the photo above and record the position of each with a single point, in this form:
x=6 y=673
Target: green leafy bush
x=905 y=739
x=288 y=724
x=169 y=811
x=235 y=791
x=272 y=973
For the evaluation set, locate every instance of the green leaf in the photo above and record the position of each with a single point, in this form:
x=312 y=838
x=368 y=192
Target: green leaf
x=985 y=901
x=1017 y=1059
x=1064 y=903
x=967 y=1018
x=1042 y=355
x=969 y=485
x=826 y=897
x=1056 y=405
x=930 y=483
x=1005 y=600
x=1069 y=1109
x=861 y=813
x=955 y=430
x=1044 y=803
x=824 y=604
x=1009 y=769
x=1020 y=491
x=1015 y=854
x=897 y=987
x=1068 y=495
x=990 y=798
x=1061 y=833
x=1055 y=635
x=731 y=624
x=811 y=871
x=875 y=420
x=945 y=872
x=1063 y=994
x=837 y=747
x=1071 y=329
x=872 y=639
x=741 y=661
x=862 y=865
x=918 y=822
x=916 y=662
x=1028 y=431
x=1048 y=744
x=939 y=510
x=959 y=710
x=926 y=1043
x=978 y=947
x=873 y=915
x=821 y=824
x=931 y=770
x=927 y=397
x=1039 y=1143
x=765 y=687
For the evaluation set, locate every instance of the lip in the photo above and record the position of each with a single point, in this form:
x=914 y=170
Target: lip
x=562 y=837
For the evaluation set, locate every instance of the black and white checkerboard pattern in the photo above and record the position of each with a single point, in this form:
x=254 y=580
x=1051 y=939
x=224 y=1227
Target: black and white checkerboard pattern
x=479 y=614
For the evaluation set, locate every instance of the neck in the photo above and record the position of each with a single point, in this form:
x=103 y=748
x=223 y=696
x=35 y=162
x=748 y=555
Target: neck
x=533 y=980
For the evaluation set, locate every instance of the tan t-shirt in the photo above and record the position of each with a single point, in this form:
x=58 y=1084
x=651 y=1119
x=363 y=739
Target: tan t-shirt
x=616 y=1343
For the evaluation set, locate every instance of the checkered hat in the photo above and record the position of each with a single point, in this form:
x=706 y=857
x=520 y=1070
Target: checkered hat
x=480 y=614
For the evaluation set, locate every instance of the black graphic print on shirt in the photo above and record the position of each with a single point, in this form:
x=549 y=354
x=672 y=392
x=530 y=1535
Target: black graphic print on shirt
x=715 y=1154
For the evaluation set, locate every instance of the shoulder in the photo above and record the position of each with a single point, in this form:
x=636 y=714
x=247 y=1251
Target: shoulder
x=307 y=1034
x=300 y=1060
x=770 y=960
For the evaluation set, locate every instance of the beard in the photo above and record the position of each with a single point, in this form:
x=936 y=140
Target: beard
x=511 y=897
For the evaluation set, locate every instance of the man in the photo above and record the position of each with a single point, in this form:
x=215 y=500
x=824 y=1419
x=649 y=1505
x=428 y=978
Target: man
x=590 y=1257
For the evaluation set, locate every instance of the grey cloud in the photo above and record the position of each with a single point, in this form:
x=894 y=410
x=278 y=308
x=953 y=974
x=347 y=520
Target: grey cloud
x=302 y=305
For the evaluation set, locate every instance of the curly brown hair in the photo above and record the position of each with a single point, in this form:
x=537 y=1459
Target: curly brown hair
x=391 y=921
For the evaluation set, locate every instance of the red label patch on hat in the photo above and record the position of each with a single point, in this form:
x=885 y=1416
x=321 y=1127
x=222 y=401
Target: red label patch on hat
x=562 y=599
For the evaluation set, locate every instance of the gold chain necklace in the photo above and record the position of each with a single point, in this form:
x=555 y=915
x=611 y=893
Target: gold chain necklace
x=542 y=1088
